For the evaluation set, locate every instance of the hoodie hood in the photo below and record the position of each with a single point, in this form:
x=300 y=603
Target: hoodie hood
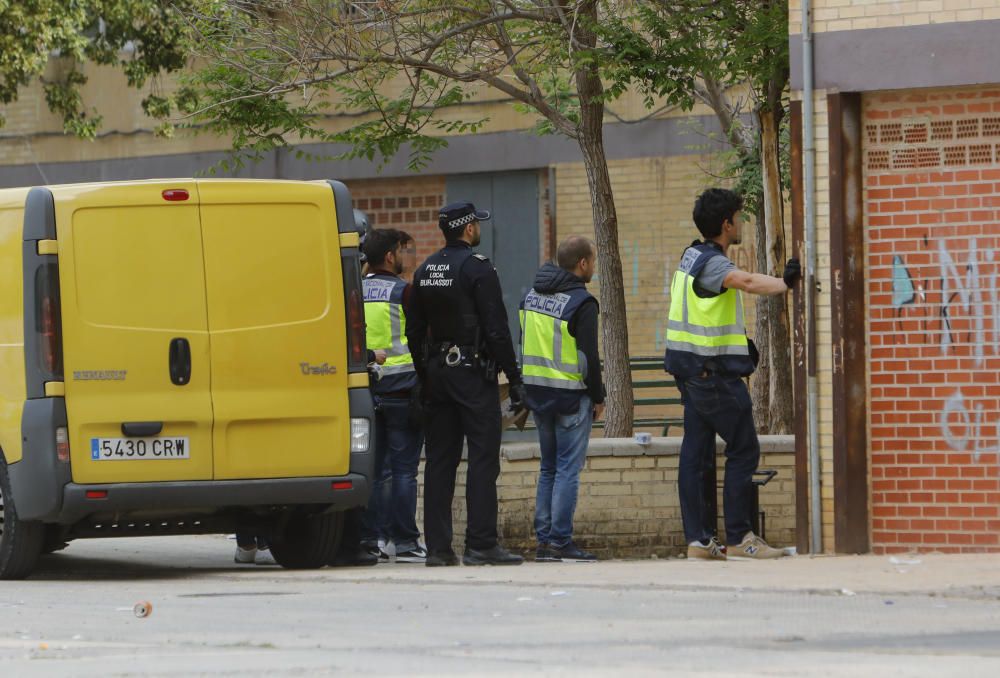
x=551 y=279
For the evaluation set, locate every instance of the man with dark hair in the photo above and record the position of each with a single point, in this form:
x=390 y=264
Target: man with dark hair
x=709 y=354
x=397 y=439
x=457 y=327
x=562 y=376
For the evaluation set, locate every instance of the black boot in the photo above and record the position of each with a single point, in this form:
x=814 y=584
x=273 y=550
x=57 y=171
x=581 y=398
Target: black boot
x=497 y=555
x=441 y=559
x=357 y=557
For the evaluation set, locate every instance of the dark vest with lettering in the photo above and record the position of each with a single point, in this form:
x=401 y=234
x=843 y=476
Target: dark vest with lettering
x=450 y=308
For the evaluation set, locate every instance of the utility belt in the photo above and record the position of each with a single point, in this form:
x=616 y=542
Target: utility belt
x=458 y=355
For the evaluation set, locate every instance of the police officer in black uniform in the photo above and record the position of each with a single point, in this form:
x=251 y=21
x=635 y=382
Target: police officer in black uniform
x=457 y=331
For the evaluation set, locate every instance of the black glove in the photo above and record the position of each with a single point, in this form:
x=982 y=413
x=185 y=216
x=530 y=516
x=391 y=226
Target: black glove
x=793 y=271
x=518 y=397
x=754 y=352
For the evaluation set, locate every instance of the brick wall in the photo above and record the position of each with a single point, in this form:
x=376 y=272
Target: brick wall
x=824 y=352
x=410 y=204
x=932 y=162
x=842 y=15
x=628 y=505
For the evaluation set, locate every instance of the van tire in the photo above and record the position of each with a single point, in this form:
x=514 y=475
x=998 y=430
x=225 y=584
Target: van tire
x=20 y=541
x=308 y=541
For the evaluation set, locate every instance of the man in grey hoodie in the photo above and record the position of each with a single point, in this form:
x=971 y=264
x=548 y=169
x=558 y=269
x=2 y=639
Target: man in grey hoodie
x=562 y=376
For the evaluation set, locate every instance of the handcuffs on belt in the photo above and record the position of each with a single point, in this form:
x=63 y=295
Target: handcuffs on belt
x=453 y=357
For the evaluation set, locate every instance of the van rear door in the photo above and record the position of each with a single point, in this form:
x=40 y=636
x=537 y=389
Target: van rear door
x=135 y=332
x=277 y=326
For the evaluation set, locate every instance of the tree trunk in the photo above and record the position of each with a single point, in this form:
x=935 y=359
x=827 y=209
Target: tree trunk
x=760 y=382
x=614 y=326
x=780 y=416
x=614 y=323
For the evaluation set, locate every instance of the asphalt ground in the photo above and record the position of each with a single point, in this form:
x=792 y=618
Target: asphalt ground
x=930 y=615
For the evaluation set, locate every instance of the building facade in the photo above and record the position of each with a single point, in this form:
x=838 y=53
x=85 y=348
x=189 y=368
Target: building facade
x=906 y=343
x=535 y=186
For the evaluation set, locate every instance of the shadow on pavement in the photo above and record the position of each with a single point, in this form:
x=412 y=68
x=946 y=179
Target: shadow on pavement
x=65 y=566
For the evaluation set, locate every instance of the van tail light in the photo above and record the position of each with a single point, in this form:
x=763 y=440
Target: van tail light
x=355 y=311
x=175 y=195
x=62 y=444
x=361 y=430
x=48 y=321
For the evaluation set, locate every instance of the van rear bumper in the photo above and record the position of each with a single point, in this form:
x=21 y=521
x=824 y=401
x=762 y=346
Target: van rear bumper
x=210 y=495
x=42 y=489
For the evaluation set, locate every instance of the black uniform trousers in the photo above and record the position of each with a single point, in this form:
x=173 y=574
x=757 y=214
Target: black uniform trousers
x=461 y=404
x=717 y=404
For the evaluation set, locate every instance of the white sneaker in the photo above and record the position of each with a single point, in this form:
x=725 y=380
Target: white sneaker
x=386 y=550
x=264 y=557
x=245 y=556
x=417 y=554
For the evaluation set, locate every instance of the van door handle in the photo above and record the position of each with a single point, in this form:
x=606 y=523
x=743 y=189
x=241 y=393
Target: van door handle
x=180 y=361
x=141 y=429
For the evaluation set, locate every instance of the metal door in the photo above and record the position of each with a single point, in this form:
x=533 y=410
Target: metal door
x=276 y=321
x=511 y=238
x=133 y=294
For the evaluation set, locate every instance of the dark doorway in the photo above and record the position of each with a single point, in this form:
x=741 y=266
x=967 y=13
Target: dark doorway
x=511 y=238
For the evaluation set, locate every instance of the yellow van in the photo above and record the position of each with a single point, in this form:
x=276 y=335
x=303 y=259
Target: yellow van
x=181 y=357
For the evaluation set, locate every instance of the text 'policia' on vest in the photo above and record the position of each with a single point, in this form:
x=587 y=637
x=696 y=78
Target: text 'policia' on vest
x=386 y=330
x=550 y=357
x=706 y=332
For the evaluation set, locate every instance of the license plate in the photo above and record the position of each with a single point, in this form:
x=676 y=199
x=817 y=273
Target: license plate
x=125 y=449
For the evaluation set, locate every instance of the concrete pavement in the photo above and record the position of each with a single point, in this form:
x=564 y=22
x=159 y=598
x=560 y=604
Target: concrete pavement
x=928 y=615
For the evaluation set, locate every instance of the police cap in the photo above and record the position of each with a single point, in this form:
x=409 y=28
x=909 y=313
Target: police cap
x=459 y=215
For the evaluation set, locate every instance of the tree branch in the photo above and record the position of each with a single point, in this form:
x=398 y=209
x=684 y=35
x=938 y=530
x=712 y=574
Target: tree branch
x=711 y=92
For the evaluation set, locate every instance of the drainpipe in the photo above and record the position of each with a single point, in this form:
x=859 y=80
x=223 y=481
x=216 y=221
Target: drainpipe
x=809 y=203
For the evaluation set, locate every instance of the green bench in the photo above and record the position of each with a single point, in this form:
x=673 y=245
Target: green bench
x=648 y=374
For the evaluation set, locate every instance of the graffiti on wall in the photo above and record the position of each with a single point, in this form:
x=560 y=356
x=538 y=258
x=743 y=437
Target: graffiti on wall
x=961 y=314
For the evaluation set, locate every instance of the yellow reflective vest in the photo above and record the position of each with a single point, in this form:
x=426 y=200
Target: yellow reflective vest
x=704 y=330
x=549 y=353
x=386 y=330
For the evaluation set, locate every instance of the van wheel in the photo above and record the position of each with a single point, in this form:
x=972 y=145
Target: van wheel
x=309 y=541
x=20 y=541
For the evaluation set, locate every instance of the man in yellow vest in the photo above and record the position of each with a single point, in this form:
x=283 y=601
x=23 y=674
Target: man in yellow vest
x=709 y=354
x=398 y=440
x=561 y=367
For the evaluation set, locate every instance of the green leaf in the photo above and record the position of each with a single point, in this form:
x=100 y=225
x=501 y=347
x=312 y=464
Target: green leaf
x=154 y=32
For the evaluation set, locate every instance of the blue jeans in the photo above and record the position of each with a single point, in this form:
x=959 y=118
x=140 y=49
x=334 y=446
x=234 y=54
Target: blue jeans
x=720 y=405
x=374 y=520
x=397 y=448
x=249 y=539
x=563 y=439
